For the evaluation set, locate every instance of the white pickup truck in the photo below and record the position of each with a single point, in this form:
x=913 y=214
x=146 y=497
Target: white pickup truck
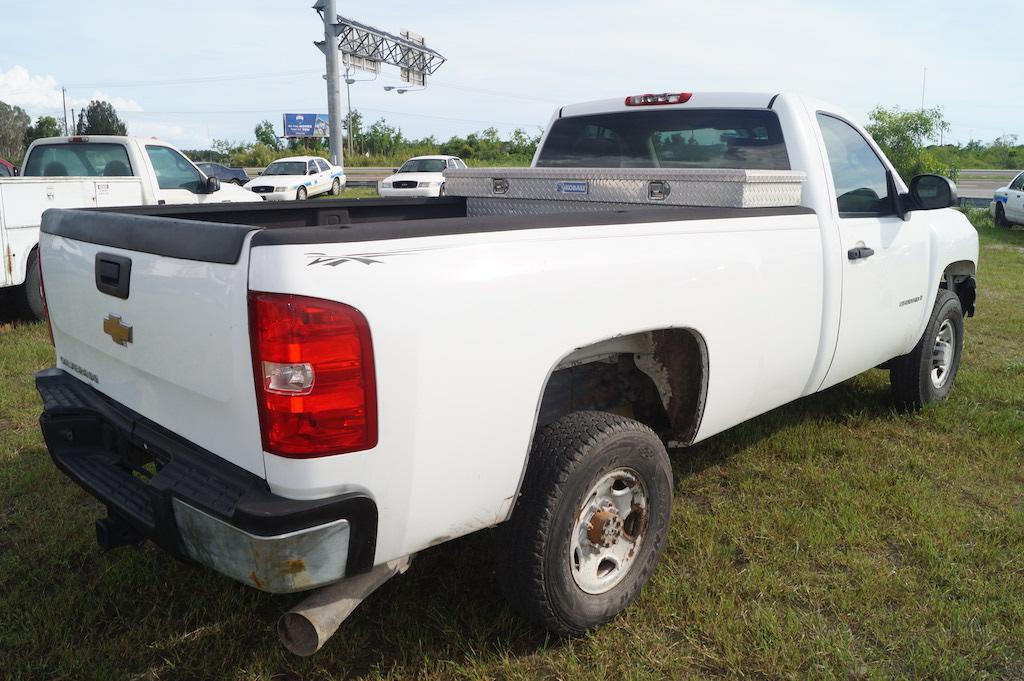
x=85 y=172
x=295 y=395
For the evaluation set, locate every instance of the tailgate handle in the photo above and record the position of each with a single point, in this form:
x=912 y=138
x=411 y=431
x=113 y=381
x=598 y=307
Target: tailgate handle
x=113 y=274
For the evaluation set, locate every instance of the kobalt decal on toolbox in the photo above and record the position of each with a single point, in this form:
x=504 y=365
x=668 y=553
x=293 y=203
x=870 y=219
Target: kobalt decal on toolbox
x=572 y=187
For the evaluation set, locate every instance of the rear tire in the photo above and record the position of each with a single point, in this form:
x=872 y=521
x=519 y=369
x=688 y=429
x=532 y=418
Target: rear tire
x=570 y=558
x=300 y=195
x=1001 y=220
x=927 y=373
x=31 y=299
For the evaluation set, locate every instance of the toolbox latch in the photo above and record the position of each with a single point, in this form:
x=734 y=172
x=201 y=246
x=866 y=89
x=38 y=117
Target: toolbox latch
x=658 y=190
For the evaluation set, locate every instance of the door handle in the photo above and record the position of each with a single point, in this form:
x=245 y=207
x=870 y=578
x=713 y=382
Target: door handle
x=860 y=253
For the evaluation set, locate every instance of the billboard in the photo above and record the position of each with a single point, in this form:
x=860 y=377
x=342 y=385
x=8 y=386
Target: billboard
x=306 y=125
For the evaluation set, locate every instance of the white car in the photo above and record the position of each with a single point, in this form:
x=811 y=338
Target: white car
x=298 y=178
x=1007 y=205
x=420 y=176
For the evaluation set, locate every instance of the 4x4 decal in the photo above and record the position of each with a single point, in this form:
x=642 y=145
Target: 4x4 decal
x=364 y=258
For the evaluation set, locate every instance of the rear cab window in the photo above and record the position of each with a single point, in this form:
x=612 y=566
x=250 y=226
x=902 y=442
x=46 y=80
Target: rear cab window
x=78 y=159
x=678 y=138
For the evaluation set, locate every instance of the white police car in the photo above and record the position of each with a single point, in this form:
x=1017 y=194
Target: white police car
x=298 y=178
x=419 y=176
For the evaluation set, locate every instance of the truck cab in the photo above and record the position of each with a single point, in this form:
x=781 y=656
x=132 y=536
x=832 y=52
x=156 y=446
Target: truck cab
x=92 y=171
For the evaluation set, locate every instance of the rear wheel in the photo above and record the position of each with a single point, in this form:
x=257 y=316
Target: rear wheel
x=31 y=298
x=928 y=372
x=300 y=195
x=1001 y=220
x=336 y=187
x=590 y=524
x=236 y=181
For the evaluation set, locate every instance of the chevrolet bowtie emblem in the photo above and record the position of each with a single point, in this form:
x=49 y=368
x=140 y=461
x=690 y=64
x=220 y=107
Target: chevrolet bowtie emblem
x=113 y=327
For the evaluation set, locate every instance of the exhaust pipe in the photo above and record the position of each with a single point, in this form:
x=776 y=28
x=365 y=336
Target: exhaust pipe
x=305 y=628
x=113 y=532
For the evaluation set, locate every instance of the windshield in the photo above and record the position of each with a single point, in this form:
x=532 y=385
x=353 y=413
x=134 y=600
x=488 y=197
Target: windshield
x=286 y=168
x=423 y=165
x=693 y=138
x=86 y=159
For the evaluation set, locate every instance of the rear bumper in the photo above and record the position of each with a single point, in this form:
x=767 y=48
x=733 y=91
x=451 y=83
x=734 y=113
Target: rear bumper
x=421 y=192
x=196 y=505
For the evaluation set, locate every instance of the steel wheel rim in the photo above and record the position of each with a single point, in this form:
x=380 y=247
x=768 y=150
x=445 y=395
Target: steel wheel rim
x=608 y=531
x=942 y=354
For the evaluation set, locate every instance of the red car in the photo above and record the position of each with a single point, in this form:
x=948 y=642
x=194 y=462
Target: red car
x=7 y=169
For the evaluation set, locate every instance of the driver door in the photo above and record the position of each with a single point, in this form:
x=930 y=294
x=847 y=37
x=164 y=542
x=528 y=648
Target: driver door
x=884 y=259
x=1014 y=205
x=178 y=181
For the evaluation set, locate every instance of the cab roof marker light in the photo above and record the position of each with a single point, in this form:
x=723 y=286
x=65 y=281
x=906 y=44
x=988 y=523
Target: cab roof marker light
x=658 y=100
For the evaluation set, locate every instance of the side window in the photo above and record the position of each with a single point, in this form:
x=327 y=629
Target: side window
x=858 y=173
x=4 y=172
x=1018 y=183
x=311 y=167
x=173 y=171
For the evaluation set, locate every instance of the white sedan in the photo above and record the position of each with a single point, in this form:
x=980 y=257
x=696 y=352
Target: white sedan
x=1008 y=203
x=419 y=176
x=298 y=178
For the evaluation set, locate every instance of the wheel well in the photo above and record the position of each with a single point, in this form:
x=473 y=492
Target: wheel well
x=656 y=377
x=958 y=277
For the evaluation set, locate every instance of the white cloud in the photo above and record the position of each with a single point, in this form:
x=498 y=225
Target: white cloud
x=42 y=94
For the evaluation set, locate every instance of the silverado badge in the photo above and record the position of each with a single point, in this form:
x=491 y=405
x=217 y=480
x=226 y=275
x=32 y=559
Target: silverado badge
x=113 y=327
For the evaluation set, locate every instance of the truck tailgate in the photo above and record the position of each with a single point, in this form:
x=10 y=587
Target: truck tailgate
x=152 y=313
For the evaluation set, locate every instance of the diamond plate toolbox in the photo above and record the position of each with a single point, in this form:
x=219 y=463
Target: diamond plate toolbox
x=721 y=187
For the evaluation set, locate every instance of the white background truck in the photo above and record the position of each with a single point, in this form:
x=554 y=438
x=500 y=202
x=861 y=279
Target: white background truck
x=314 y=393
x=91 y=171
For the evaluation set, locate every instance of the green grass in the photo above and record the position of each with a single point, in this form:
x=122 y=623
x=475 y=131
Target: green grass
x=831 y=538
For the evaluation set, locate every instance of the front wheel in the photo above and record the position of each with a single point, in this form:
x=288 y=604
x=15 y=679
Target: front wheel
x=1001 y=220
x=590 y=524
x=336 y=187
x=928 y=372
x=300 y=195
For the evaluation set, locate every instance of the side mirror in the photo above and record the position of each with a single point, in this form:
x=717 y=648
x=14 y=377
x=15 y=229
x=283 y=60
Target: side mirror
x=928 y=192
x=17 y=171
x=394 y=170
x=212 y=185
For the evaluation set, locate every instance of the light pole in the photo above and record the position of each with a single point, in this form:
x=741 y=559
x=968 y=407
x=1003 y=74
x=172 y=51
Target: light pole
x=348 y=91
x=331 y=42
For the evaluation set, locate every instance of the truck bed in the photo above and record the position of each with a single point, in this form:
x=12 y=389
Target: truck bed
x=216 y=233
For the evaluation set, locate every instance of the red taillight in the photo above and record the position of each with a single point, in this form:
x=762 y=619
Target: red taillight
x=655 y=100
x=315 y=382
x=42 y=296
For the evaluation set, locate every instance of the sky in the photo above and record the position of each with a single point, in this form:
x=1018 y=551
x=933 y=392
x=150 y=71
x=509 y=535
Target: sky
x=191 y=71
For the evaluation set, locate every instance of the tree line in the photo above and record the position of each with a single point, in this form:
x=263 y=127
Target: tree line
x=17 y=130
x=379 y=144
